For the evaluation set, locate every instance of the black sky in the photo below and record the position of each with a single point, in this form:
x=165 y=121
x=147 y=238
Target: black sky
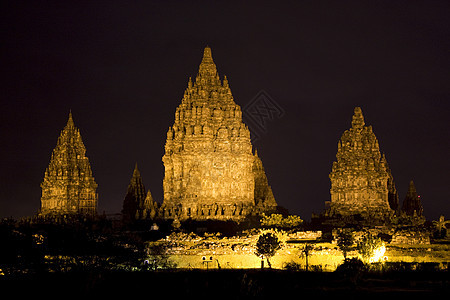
x=122 y=68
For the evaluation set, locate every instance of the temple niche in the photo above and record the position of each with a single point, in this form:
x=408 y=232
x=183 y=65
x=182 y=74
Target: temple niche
x=360 y=176
x=210 y=169
x=69 y=186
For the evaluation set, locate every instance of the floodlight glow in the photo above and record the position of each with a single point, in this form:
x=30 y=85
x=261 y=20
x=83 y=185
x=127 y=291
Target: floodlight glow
x=378 y=254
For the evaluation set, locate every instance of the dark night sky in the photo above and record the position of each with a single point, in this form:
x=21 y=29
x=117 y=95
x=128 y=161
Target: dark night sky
x=122 y=69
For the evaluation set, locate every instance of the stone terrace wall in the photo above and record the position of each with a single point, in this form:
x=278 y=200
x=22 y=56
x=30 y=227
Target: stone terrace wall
x=409 y=237
x=212 y=251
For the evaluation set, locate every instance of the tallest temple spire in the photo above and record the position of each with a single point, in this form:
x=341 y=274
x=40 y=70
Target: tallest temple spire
x=208 y=156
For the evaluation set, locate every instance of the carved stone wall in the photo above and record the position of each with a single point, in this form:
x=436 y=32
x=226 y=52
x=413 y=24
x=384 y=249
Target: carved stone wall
x=69 y=186
x=208 y=156
x=411 y=237
x=359 y=178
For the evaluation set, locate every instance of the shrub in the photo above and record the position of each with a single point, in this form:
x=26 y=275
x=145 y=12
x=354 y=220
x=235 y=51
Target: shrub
x=352 y=266
x=278 y=221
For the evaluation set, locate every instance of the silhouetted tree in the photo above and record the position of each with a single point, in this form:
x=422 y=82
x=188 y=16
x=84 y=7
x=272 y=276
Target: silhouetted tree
x=267 y=245
x=345 y=241
x=306 y=252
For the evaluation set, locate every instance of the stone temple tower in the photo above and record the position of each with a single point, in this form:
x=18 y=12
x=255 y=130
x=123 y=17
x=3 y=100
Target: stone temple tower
x=138 y=205
x=208 y=160
x=68 y=186
x=359 y=176
x=412 y=205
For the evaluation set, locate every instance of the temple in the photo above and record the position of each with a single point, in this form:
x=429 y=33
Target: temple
x=138 y=205
x=68 y=186
x=210 y=169
x=360 y=176
x=411 y=204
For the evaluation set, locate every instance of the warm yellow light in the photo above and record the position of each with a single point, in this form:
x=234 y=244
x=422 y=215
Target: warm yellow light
x=378 y=254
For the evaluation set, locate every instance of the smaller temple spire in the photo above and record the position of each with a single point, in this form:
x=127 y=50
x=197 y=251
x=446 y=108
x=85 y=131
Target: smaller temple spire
x=225 y=82
x=412 y=204
x=412 y=192
x=75 y=191
x=134 y=198
x=136 y=172
x=70 y=122
x=358 y=119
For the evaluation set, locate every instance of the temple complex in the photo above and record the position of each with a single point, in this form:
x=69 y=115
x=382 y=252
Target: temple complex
x=138 y=205
x=411 y=204
x=68 y=186
x=210 y=169
x=360 y=176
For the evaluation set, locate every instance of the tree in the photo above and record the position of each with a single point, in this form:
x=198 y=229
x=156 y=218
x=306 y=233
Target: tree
x=267 y=245
x=441 y=227
x=306 y=252
x=345 y=241
x=371 y=248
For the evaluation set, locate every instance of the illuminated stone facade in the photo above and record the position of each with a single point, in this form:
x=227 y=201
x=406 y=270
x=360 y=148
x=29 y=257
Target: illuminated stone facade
x=68 y=186
x=359 y=176
x=138 y=205
x=209 y=165
x=264 y=199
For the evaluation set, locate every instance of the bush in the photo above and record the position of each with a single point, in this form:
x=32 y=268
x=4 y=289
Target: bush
x=278 y=221
x=352 y=266
x=292 y=266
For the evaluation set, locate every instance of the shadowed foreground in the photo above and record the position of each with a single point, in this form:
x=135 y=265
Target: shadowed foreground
x=230 y=284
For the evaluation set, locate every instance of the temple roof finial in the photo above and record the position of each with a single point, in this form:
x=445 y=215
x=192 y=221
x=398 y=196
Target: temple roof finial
x=358 y=118
x=207 y=55
x=207 y=76
x=412 y=189
x=136 y=172
x=70 y=120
